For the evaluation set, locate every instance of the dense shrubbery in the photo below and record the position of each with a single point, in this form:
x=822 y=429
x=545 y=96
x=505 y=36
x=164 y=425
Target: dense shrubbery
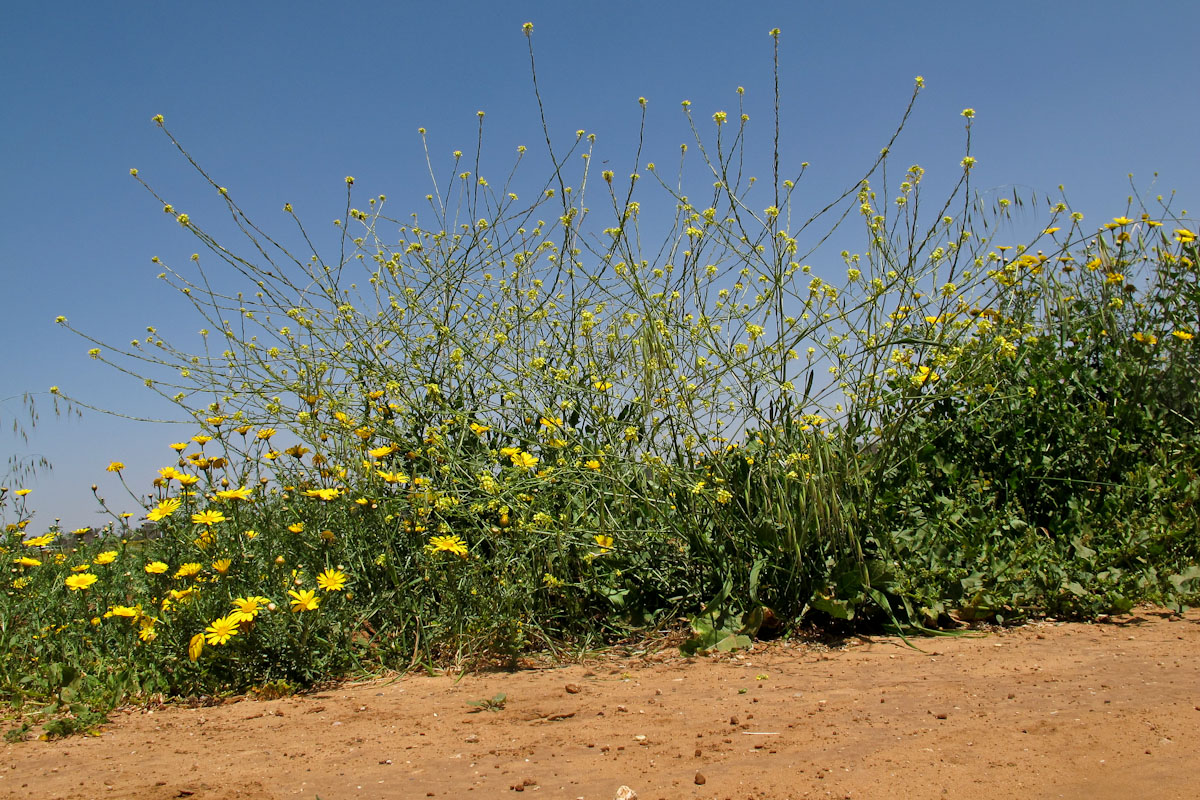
x=501 y=427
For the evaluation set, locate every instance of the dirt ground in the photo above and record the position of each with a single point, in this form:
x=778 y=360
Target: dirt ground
x=1110 y=710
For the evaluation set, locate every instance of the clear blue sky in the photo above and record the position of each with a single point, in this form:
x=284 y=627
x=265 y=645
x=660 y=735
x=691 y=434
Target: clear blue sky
x=280 y=101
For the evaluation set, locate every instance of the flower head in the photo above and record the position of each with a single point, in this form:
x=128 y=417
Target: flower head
x=208 y=518
x=114 y=466
x=167 y=473
x=523 y=459
x=924 y=375
x=449 y=543
x=129 y=612
x=304 y=600
x=156 y=568
x=80 y=581
x=220 y=631
x=332 y=580
x=196 y=647
x=247 y=608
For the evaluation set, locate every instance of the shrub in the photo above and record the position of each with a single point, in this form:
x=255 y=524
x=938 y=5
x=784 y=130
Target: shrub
x=503 y=425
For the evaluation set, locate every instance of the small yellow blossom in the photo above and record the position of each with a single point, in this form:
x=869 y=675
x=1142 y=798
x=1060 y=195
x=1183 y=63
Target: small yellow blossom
x=924 y=375
x=247 y=608
x=304 y=600
x=169 y=473
x=164 y=509
x=449 y=543
x=196 y=647
x=80 y=582
x=128 y=612
x=525 y=460
x=220 y=631
x=332 y=580
x=209 y=517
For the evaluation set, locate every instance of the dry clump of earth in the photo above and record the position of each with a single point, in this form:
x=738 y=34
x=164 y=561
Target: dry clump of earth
x=1105 y=710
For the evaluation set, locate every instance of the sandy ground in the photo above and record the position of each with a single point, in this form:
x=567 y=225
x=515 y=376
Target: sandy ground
x=1048 y=710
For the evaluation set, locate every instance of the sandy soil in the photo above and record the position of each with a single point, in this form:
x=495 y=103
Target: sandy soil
x=1047 y=710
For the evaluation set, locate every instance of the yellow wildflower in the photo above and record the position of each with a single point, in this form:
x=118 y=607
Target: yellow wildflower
x=449 y=544
x=522 y=459
x=220 y=631
x=304 y=600
x=196 y=647
x=164 y=509
x=208 y=518
x=80 y=582
x=332 y=580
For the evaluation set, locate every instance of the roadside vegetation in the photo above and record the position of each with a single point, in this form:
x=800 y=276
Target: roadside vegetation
x=524 y=420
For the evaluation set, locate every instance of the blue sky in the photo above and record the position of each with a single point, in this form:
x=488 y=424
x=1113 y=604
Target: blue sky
x=280 y=101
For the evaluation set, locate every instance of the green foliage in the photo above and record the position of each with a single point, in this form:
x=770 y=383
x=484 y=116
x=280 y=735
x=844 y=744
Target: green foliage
x=495 y=703
x=1062 y=479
